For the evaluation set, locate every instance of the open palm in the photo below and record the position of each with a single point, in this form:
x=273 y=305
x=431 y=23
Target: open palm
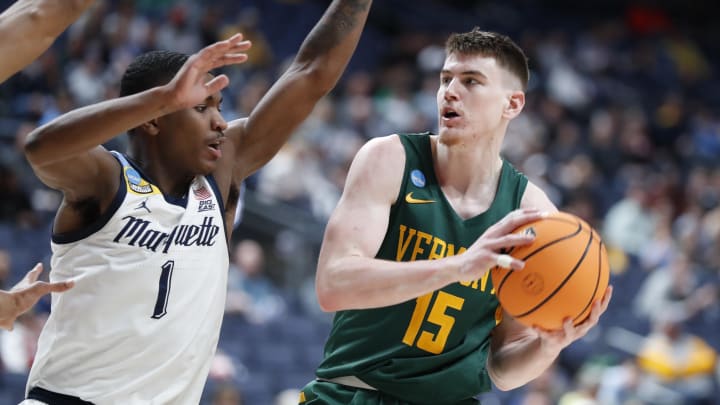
x=190 y=85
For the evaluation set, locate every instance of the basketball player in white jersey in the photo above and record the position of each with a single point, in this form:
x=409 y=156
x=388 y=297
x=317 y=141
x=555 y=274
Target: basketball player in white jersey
x=27 y=29
x=145 y=235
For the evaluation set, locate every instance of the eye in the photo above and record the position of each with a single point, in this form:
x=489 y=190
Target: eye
x=445 y=80
x=200 y=108
x=470 y=81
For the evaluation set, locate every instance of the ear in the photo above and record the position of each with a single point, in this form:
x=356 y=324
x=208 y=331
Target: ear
x=515 y=104
x=150 y=127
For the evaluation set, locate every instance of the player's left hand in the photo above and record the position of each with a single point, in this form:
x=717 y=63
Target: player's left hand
x=556 y=340
x=25 y=294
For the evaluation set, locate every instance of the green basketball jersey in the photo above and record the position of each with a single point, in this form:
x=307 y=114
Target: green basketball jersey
x=433 y=349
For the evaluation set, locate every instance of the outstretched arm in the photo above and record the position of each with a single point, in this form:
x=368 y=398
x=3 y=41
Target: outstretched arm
x=319 y=63
x=25 y=294
x=29 y=27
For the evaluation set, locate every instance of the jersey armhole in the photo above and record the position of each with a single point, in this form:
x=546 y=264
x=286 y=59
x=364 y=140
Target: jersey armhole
x=74 y=236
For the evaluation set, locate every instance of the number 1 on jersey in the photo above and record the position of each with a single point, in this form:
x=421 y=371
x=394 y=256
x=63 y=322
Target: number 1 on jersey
x=163 y=290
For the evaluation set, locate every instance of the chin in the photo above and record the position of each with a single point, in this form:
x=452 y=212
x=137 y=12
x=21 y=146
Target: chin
x=206 y=168
x=450 y=135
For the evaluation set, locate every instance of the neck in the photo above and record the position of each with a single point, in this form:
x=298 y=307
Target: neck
x=469 y=166
x=165 y=178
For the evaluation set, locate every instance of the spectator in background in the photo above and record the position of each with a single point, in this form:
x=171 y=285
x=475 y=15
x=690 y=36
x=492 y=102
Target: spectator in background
x=678 y=366
x=17 y=348
x=227 y=394
x=250 y=292
x=630 y=223
x=15 y=204
x=676 y=290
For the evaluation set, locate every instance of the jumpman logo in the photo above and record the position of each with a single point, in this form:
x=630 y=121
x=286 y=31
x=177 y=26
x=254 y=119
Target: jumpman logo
x=143 y=204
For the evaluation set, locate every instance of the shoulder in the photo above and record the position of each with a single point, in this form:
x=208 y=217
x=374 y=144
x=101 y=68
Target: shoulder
x=378 y=167
x=236 y=128
x=535 y=197
x=382 y=152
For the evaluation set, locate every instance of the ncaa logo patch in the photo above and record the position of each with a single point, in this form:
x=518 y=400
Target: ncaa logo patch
x=137 y=183
x=133 y=176
x=418 y=178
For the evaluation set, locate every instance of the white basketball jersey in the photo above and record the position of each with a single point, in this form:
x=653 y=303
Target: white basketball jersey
x=142 y=323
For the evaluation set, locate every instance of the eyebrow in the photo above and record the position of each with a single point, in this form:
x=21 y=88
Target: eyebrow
x=464 y=73
x=210 y=98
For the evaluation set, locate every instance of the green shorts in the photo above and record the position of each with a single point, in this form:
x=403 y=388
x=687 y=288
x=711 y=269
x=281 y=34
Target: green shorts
x=328 y=393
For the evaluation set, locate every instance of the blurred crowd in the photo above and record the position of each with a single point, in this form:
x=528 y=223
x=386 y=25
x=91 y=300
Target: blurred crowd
x=621 y=127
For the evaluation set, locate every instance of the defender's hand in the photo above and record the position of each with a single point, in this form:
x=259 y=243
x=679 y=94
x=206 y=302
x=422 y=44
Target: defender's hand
x=190 y=85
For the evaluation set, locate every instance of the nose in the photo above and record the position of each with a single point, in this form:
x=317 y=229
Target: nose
x=218 y=123
x=450 y=90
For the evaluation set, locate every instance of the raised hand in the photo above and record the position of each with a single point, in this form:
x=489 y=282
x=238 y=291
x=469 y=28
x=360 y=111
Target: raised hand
x=25 y=294
x=191 y=86
x=486 y=252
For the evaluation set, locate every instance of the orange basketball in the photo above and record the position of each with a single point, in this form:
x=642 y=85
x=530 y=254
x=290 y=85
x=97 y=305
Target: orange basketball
x=566 y=270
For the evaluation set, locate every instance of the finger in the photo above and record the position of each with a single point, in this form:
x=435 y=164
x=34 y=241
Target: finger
x=514 y=220
x=60 y=286
x=229 y=59
x=40 y=288
x=607 y=297
x=508 y=262
x=234 y=44
x=241 y=46
x=33 y=274
x=509 y=240
x=217 y=83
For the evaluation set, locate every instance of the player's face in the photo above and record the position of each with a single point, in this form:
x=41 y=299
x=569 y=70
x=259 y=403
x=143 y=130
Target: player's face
x=194 y=136
x=473 y=95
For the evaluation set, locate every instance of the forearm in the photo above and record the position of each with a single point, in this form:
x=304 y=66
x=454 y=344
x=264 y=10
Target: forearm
x=29 y=27
x=85 y=128
x=519 y=362
x=327 y=49
x=361 y=282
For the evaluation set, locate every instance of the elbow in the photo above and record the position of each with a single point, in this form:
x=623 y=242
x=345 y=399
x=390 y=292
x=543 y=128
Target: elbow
x=31 y=145
x=500 y=382
x=319 y=77
x=327 y=298
x=34 y=147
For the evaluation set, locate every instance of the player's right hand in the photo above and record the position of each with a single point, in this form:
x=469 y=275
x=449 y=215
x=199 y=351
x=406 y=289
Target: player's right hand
x=483 y=254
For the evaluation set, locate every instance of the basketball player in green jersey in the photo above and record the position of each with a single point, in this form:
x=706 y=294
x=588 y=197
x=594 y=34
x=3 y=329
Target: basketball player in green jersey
x=407 y=251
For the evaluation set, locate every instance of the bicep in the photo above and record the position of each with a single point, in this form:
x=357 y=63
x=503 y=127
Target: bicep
x=357 y=226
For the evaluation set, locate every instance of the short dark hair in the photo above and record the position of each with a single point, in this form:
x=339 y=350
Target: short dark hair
x=491 y=44
x=149 y=70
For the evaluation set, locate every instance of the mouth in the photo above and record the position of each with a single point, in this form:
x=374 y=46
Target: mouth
x=214 y=147
x=449 y=114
